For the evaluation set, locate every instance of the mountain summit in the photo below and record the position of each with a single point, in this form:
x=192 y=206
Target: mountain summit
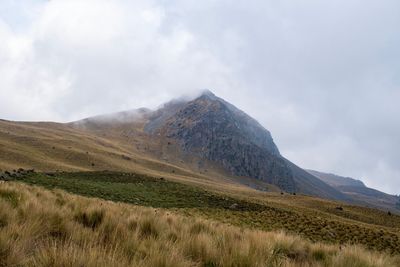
x=217 y=131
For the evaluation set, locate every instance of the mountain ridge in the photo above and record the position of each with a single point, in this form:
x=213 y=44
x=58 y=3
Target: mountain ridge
x=359 y=192
x=337 y=180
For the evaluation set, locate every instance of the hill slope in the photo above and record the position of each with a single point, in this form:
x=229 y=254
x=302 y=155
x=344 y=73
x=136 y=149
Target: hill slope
x=359 y=192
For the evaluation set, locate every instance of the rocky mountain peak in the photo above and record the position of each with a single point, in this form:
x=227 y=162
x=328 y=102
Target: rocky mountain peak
x=215 y=130
x=216 y=112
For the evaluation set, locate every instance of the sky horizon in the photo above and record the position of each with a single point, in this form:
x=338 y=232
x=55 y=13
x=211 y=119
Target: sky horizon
x=322 y=77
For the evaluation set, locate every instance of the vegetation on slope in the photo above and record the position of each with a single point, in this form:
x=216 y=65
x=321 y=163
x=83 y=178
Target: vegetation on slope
x=375 y=230
x=53 y=228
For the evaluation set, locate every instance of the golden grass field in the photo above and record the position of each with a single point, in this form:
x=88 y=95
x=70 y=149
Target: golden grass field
x=39 y=227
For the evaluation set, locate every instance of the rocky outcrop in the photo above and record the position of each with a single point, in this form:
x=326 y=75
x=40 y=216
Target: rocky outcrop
x=215 y=130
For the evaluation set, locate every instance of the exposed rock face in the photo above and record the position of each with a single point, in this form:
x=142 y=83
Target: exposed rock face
x=215 y=130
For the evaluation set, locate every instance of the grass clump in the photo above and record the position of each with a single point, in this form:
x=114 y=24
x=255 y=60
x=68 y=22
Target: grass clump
x=11 y=197
x=3 y=217
x=91 y=219
x=148 y=228
x=198 y=228
x=291 y=249
x=56 y=226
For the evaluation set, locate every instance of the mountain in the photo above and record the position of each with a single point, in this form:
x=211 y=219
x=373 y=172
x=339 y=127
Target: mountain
x=200 y=140
x=360 y=193
x=216 y=131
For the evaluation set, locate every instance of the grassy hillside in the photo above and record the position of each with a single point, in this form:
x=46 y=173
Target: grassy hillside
x=316 y=220
x=51 y=146
x=46 y=146
x=52 y=228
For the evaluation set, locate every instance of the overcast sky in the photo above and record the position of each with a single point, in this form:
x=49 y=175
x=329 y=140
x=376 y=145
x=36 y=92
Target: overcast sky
x=322 y=76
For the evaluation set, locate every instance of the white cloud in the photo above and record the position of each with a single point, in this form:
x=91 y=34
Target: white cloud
x=80 y=23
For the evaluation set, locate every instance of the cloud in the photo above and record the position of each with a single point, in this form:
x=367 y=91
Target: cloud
x=90 y=57
x=321 y=76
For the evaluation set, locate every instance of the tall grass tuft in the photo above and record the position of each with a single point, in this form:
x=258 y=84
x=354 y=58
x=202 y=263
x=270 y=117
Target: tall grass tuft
x=10 y=196
x=148 y=228
x=91 y=219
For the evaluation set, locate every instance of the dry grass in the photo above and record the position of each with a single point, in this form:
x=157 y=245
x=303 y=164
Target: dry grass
x=52 y=228
x=373 y=229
